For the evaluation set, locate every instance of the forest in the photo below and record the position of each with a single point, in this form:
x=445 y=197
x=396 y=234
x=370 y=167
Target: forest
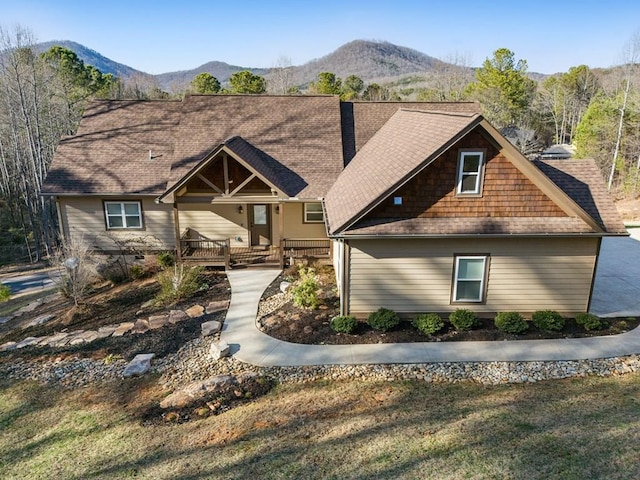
x=42 y=97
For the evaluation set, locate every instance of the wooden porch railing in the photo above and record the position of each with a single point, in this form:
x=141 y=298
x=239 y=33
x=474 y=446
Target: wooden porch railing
x=304 y=248
x=205 y=250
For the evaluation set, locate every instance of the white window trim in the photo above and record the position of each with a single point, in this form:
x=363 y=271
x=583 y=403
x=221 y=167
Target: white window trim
x=307 y=212
x=123 y=216
x=482 y=280
x=478 y=188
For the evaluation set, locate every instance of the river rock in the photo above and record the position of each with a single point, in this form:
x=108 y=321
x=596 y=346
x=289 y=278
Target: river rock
x=140 y=364
x=196 y=391
x=219 y=350
x=210 y=328
x=195 y=311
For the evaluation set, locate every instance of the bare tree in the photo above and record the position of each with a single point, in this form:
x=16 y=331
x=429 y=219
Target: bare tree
x=280 y=79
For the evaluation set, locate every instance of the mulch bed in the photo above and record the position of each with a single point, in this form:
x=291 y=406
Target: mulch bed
x=311 y=327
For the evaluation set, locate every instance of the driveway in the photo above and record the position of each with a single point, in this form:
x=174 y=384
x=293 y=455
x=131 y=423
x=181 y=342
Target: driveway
x=616 y=291
x=31 y=282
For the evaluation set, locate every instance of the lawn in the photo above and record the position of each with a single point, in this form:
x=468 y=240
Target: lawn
x=570 y=429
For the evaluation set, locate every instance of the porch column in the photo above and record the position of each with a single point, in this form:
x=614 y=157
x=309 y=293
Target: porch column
x=176 y=225
x=280 y=207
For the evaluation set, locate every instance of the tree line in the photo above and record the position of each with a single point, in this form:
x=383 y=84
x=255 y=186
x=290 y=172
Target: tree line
x=42 y=97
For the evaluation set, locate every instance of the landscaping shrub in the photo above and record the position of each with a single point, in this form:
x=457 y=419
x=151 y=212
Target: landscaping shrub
x=5 y=293
x=383 y=319
x=590 y=321
x=178 y=283
x=305 y=290
x=548 y=320
x=343 y=324
x=166 y=260
x=463 y=319
x=428 y=323
x=511 y=322
x=138 y=272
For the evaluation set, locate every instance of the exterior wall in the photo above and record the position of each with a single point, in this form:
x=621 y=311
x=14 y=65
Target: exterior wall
x=216 y=222
x=525 y=274
x=85 y=216
x=294 y=226
x=506 y=192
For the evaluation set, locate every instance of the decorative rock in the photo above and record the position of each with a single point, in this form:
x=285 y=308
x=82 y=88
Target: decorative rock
x=122 y=329
x=209 y=328
x=158 y=321
x=196 y=391
x=140 y=364
x=4 y=320
x=219 y=350
x=284 y=286
x=39 y=320
x=108 y=329
x=28 y=342
x=147 y=304
x=195 y=311
x=214 y=307
x=57 y=340
x=141 y=326
x=176 y=316
x=5 y=347
x=30 y=307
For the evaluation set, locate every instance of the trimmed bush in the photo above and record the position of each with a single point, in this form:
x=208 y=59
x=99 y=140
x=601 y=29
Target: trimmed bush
x=428 y=323
x=511 y=322
x=383 y=319
x=305 y=290
x=590 y=321
x=548 y=320
x=463 y=319
x=5 y=293
x=343 y=324
x=166 y=260
x=137 y=272
x=178 y=283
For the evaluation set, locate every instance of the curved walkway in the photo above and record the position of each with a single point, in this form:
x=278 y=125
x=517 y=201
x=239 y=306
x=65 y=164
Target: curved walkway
x=250 y=345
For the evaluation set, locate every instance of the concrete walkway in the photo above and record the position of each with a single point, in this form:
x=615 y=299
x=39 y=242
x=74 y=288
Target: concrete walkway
x=250 y=345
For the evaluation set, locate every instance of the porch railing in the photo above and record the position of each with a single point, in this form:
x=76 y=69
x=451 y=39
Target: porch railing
x=292 y=248
x=196 y=248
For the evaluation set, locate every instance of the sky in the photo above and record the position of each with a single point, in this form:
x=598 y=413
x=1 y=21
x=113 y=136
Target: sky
x=164 y=36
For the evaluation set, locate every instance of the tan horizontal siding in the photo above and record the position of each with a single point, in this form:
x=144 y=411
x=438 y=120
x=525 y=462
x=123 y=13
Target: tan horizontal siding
x=524 y=274
x=294 y=226
x=216 y=222
x=84 y=216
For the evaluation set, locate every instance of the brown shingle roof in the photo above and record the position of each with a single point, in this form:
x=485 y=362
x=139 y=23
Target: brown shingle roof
x=583 y=182
x=407 y=142
x=110 y=152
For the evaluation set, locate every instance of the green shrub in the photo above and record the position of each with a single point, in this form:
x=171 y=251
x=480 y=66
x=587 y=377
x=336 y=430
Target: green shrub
x=178 y=283
x=137 y=272
x=5 y=293
x=383 y=319
x=166 y=260
x=428 y=323
x=511 y=322
x=590 y=321
x=463 y=319
x=548 y=320
x=305 y=290
x=343 y=324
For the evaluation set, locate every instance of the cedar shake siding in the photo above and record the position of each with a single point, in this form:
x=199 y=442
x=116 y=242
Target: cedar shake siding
x=506 y=192
x=85 y=217
x=524 y=275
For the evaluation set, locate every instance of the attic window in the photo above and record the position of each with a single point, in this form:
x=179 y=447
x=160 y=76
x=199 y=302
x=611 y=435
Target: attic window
x=470 y=166
x=397 y=200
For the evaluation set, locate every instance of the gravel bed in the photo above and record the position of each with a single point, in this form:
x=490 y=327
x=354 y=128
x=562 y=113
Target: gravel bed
x=192 y=363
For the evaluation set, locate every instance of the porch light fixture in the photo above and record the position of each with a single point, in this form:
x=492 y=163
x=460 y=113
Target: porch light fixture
x=240 y=209
x=277 y=209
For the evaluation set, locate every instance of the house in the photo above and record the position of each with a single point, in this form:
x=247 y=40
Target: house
x=421 y=206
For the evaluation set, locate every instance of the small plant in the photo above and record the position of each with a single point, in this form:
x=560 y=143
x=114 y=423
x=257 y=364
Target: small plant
x=138 y=272
x=5 y=293
x=343 y=324
x=166 y=260
x=428 y=323
x=511 y=322
x=305 y=290
x=383 y=319
x=178 y=283
x=590 y=321
x=548 y=320
x=111 y=358
x=463 y=319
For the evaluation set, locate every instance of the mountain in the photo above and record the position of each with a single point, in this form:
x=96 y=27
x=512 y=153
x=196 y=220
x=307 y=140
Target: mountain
x=371 y=61
x=177 y=81
x=91 y=57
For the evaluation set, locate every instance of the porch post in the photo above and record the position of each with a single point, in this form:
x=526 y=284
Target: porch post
x=281 y=233
x=176 y=225
x=227 y=254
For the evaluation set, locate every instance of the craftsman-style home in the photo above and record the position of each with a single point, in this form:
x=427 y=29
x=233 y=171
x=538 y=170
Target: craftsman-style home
x=420 y=206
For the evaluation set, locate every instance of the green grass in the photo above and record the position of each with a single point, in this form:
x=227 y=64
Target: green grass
x=571 y=429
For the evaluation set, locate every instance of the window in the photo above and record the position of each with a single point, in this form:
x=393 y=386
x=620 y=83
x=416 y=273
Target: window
x=470 y=172
x=397 y=200
x=313 y=213
x=469 y=279
x=123 y=215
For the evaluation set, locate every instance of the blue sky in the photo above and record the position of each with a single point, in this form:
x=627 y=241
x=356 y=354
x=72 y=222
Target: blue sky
x=163 y=36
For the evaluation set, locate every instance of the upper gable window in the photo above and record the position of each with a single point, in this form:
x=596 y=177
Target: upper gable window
x=470 y=165
x=313 y=213
x=121 y=215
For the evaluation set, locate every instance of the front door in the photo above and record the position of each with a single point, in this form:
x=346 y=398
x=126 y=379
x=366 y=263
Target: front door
x=260 y=224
